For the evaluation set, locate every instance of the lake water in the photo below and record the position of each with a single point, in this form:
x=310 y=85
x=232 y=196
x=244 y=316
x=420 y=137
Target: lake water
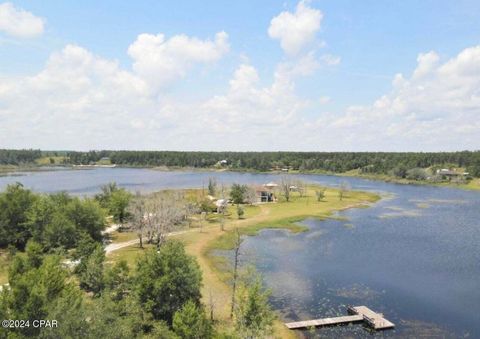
x=415 y=255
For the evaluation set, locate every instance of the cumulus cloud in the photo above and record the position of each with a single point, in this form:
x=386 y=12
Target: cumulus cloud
x=296 y=30
x=81 y=101
x=160 y=60
x=437 y=107
x=19 y=23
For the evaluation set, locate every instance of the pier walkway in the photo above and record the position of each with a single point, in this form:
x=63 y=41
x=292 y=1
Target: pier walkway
x=357 y=314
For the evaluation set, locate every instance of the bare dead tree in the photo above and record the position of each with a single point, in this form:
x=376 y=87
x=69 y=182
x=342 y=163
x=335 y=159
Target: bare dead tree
x=301 y=187
x=190 y=210
x=203 y=218
x=238 y=243
x=250 y=195
x=211 y=304
x=285 y=185
x=344 y=188
x=137 y=213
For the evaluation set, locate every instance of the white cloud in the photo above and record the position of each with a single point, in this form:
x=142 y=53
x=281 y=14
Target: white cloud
x=437 y=108
x=296 y=30
x=83 y=101
x=160 y=60
x=19 y=23
x=330 y=60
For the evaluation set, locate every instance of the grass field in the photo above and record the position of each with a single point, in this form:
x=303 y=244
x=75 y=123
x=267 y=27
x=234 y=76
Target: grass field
x=202 y=244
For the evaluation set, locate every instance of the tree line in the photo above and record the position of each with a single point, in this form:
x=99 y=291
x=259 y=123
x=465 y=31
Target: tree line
x=19 y=157
x=337 y=162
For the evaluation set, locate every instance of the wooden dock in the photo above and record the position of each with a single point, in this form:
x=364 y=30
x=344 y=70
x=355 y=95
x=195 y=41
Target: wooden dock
x=357 y=314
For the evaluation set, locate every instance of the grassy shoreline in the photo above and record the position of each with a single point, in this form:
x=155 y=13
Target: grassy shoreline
x=285 y=215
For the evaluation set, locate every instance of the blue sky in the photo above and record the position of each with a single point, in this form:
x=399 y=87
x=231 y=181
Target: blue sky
x=350 y=56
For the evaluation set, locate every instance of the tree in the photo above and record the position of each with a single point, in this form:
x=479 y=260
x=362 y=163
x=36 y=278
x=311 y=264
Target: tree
x=416 y=174
x=250 y=195
x=35 y=285
x=165 y=210
x=39 y=216
x=320 y=193
x=400 y=172
x=190 y=322
x=285 y=186
x=118 y=281
x=343 y=189
x=237 y=193
x=85 y=247
x=166 y=279
x=301 y=187
x=115 y=200
x=212 y=186
x=253 y=315
x=240 y=211
x=14 y=204
x=92 y=278
x=87 y=215
x=118 y=205
x=137 y=213
x=59 y=232
x=236 y=259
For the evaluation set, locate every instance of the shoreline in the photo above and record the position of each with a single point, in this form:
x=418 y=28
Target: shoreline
x=472 y=185
x=202 y=242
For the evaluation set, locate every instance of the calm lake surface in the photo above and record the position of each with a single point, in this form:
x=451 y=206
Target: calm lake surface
x=415 y=255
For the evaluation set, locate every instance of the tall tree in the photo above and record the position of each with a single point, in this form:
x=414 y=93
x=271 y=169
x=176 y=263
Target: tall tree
x=253 y=315
x=237 y=193
x=190 y=322
x=14 y=204
x=236 y=260
x=166 y=279
x=92 y=278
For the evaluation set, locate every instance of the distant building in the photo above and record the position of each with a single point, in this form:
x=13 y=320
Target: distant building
x=222 y=163
x=265 y=193
x=450 y=173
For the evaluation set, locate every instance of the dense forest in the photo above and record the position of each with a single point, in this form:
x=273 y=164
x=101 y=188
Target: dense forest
x=18 y=157
x=337 y=162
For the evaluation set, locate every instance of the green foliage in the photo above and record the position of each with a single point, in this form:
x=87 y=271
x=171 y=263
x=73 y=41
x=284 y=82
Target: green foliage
x=253 y=315
x=400 y=172
x=190 y=322
x=91 y=277
x=14 y=204
x=338 y=162
x=416 y=174
x=88 y=216
x=85 y=247
x=34 y=290
x=19 y=157
x=320 y=194
x=115 y=200
x=240 y=211
x=167 y=279
x=212 y=186
x=55 y=221
x=40 y=288
x=207 y=206
x=118 y=281
x=237 y=193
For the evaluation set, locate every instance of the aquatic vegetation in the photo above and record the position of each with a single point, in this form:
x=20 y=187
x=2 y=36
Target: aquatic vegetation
x=356 y=291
